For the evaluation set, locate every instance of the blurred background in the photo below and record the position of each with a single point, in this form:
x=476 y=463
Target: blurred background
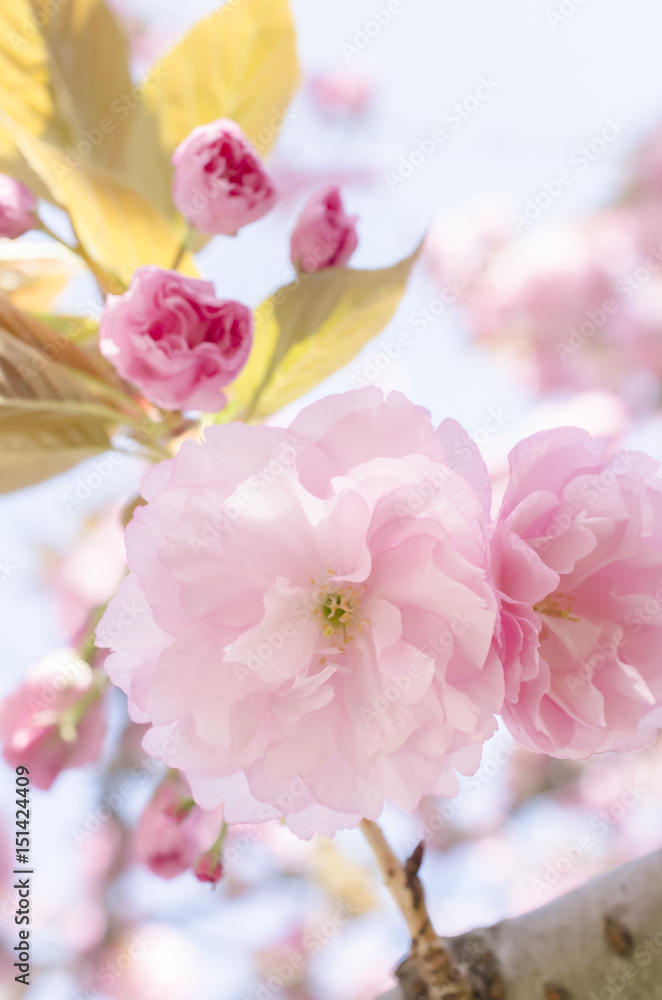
x=522 y=138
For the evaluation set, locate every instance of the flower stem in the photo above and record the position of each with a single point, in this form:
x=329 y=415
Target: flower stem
x=103 y=280
x=183 y=247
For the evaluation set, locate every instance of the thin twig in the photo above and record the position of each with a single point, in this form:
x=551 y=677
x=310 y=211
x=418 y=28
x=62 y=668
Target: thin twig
x=106 y=283
x=435 y=966
x=399 y=884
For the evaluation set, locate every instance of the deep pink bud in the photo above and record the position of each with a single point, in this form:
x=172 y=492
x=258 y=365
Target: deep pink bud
x=173 y=831
x=220 y=183
x=209 y=868
x=325 y=236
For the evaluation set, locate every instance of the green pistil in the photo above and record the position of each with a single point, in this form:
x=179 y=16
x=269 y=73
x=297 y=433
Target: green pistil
x=336 y=610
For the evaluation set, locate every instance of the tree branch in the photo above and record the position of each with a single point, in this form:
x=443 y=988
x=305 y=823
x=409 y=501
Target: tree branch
x=600 y=942
x=430 y=971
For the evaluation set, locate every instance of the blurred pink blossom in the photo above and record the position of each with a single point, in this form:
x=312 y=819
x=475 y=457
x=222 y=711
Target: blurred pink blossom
x=578 y=308
x=18 y=207
x=55 y=719
x=462 y=240
x=342 y=91
x=150 y=962
x=89 y=572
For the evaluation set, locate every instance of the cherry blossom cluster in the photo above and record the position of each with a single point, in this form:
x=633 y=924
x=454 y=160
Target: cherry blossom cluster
x=351 y=638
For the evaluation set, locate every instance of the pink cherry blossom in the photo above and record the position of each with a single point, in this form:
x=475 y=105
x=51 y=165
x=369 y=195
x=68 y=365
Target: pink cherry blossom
x=175 y=340
x=173 y=832
x=325 y=236
x=89 y=572
x=149 y=962
x=311 y=616
x=18 y=207
x=55 y=719
x=220 y=184
x=578 y=308
x=577 y=555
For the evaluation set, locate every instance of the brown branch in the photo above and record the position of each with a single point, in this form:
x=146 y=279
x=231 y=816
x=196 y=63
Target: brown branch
x=430 y=971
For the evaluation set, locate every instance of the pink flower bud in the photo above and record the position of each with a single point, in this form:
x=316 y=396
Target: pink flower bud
x=173 y=831
x=17 y=208
x=325 y=236
x=220 y=184
x=175 y=340
x=54 y=720
x=209 y=868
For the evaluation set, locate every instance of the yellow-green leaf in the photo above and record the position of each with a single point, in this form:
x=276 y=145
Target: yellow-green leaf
x=240 y=62
x=51 y=341
x=25 y=88
x=77 y=329
x=119 y=228
x=63 y=74
x=49 y=420
x=88 y=60
x=91 y=377
x=312 y=327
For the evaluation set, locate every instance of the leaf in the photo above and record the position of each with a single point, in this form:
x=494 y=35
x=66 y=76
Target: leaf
x=86 y=368
x=49 y=420
x=240 y=62
x=119 y=228
x=312 y=327
x=31 y=331
x=88 y=60
x=78 y=329
x=63 y=65
x=25 y=88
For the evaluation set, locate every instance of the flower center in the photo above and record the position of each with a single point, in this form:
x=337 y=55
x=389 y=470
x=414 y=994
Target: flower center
x=557 y=605
x=339 y=610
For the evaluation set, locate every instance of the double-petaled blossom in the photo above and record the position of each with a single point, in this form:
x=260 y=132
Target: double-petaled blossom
x=577 y=556
x=314 y=615
x=175 y=340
